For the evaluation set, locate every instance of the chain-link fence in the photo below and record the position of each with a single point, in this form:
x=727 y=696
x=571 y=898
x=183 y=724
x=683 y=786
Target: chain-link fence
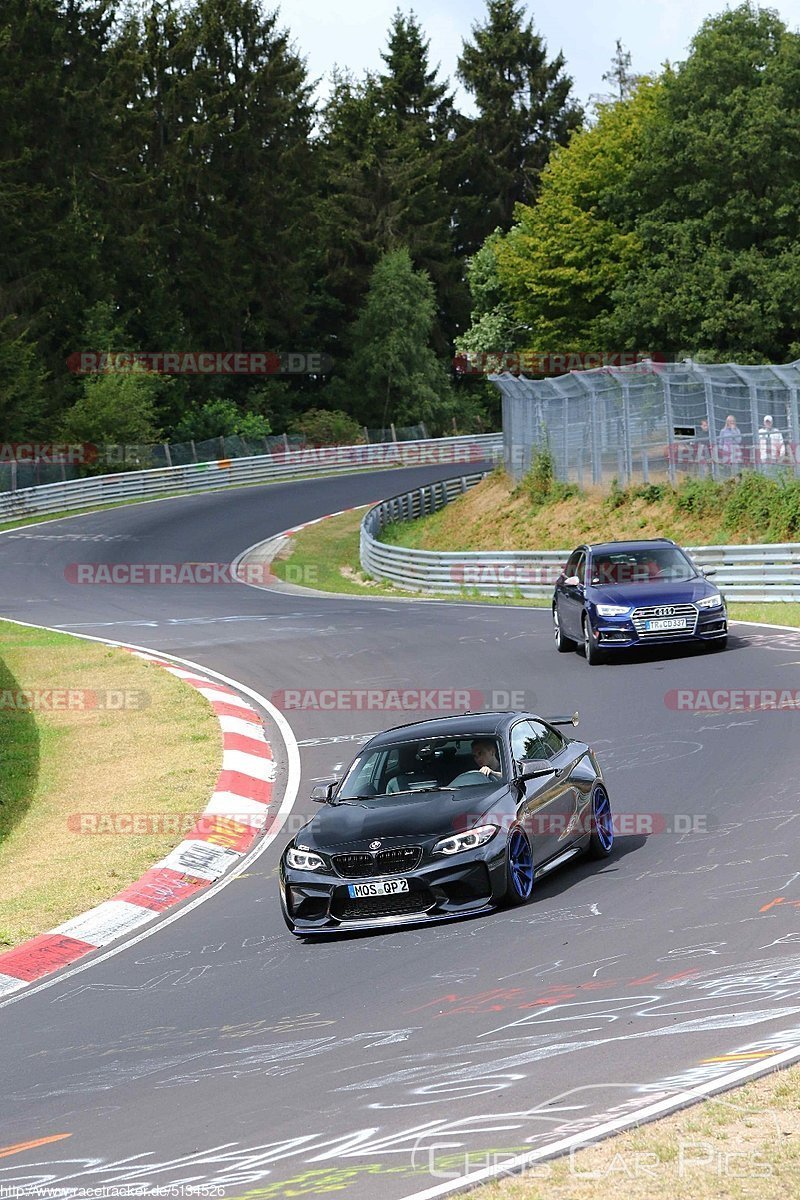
x=652 y=421
x=24 y=465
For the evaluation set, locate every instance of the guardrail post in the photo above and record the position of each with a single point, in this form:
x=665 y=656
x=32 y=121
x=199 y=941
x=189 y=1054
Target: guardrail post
x=167 y=454
x=194 y=450
x=668 y=413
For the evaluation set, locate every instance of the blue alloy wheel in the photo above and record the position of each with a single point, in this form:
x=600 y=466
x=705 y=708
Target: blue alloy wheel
x=601 y=840
x=519 y=868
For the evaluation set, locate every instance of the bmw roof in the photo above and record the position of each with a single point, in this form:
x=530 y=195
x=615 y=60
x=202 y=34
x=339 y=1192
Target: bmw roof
x=459 y=725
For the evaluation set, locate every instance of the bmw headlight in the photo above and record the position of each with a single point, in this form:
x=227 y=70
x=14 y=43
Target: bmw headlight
x=303 y=860
x=613 y=610
x=710 y=601
x=466 y=841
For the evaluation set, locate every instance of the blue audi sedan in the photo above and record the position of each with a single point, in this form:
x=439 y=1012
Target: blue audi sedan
x=617 y=596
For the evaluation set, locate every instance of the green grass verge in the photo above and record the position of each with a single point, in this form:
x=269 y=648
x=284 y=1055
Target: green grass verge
x=325 y=556
x=742 y=1145
x=87 y=729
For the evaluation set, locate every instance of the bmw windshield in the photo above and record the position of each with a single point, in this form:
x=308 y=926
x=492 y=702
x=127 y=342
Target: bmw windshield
x=425 y=765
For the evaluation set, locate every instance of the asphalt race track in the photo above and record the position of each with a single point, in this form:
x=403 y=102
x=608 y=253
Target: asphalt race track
x=219 y=1051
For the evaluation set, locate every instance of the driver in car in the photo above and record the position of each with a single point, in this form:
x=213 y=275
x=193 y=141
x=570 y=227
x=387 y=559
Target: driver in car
x=486 y=760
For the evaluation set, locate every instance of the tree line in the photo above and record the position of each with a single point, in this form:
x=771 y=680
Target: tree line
x=169 y=183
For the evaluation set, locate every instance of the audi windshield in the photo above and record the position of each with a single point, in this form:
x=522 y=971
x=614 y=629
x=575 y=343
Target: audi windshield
x=648 y=565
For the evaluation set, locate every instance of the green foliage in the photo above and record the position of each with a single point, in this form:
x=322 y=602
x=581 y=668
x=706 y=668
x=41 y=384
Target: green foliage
x=714 y=200
x=752 y=507
x=324 y=427
x=393 y=374
x=219 y=418
x=540 y=483
x=560 y=262
x=524 y=111
x=116 y=408
x=701 y=497
x=22 y=386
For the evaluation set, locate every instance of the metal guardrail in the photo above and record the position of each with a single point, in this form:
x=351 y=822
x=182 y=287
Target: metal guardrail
x=78 y=494
x=758 y=572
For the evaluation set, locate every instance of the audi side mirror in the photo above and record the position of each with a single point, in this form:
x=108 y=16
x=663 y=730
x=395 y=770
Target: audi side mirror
x=708 y=571
x=571 y=581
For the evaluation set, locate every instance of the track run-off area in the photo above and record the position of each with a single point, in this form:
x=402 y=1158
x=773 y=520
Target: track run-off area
x=217 y=1052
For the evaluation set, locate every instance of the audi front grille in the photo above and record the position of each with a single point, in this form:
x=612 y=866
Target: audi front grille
x=664 y=612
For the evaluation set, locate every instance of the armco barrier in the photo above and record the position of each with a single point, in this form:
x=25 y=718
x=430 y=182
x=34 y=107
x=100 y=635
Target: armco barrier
x=142 y=485
x=761 y=572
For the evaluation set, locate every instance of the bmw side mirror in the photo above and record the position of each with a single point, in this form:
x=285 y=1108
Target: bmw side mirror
x=532 y=768
x=573 y=720
x=322 y=793
x=571 y=581
x=708 y=572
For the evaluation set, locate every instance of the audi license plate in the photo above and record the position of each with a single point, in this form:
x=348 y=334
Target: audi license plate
x=666 y=623
x=384 y=887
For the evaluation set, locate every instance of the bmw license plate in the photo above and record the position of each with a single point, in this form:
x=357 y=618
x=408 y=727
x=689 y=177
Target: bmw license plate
x=383 y=887
x=666 y=623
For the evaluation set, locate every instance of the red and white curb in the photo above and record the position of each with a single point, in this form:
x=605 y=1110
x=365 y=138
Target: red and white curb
x=235 y=816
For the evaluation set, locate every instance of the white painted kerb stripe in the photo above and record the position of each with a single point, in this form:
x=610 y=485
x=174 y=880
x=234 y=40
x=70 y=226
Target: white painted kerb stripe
x=108 y=921
x=249 y=764
x=9 y=984
x=218 y=697
x=248 y=729
x=229 y=804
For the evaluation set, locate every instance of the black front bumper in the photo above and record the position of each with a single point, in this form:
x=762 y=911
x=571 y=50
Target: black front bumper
x=438 y=889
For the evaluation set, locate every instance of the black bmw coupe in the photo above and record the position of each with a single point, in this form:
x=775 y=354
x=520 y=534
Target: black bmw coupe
x=445 y=818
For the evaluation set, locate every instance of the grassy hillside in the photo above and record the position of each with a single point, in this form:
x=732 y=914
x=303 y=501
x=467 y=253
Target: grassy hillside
x=540 y=514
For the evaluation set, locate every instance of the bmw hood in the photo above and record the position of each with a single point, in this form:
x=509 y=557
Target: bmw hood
x=422 y=815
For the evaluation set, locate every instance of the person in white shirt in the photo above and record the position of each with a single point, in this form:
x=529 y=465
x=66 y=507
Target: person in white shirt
x=771 y=446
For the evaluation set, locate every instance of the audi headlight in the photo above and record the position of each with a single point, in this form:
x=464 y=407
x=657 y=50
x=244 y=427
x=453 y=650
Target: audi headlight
x=613 y=610
x=466 y=841
x=303 y=860
x=710 y=601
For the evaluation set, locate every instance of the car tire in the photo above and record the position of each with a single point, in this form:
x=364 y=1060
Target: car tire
x=601 y=838
x=594 y=654
x=519 y=867
x=563 y=644
x=720 y=643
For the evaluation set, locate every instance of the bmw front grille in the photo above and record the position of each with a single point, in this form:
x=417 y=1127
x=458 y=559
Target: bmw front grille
x=387 y=862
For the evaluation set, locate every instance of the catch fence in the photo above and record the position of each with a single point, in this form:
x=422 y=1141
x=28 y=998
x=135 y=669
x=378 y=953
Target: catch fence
x=655 y=421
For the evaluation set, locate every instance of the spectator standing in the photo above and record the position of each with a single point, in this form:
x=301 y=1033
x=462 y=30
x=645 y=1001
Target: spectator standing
x=771 y=446
x=729 y=442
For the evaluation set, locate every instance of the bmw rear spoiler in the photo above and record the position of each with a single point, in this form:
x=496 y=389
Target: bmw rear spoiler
x=573 y=720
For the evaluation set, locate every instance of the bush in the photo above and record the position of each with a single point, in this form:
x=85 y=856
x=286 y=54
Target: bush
x=219 y=418
x=540 y=483
x=322 y=427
